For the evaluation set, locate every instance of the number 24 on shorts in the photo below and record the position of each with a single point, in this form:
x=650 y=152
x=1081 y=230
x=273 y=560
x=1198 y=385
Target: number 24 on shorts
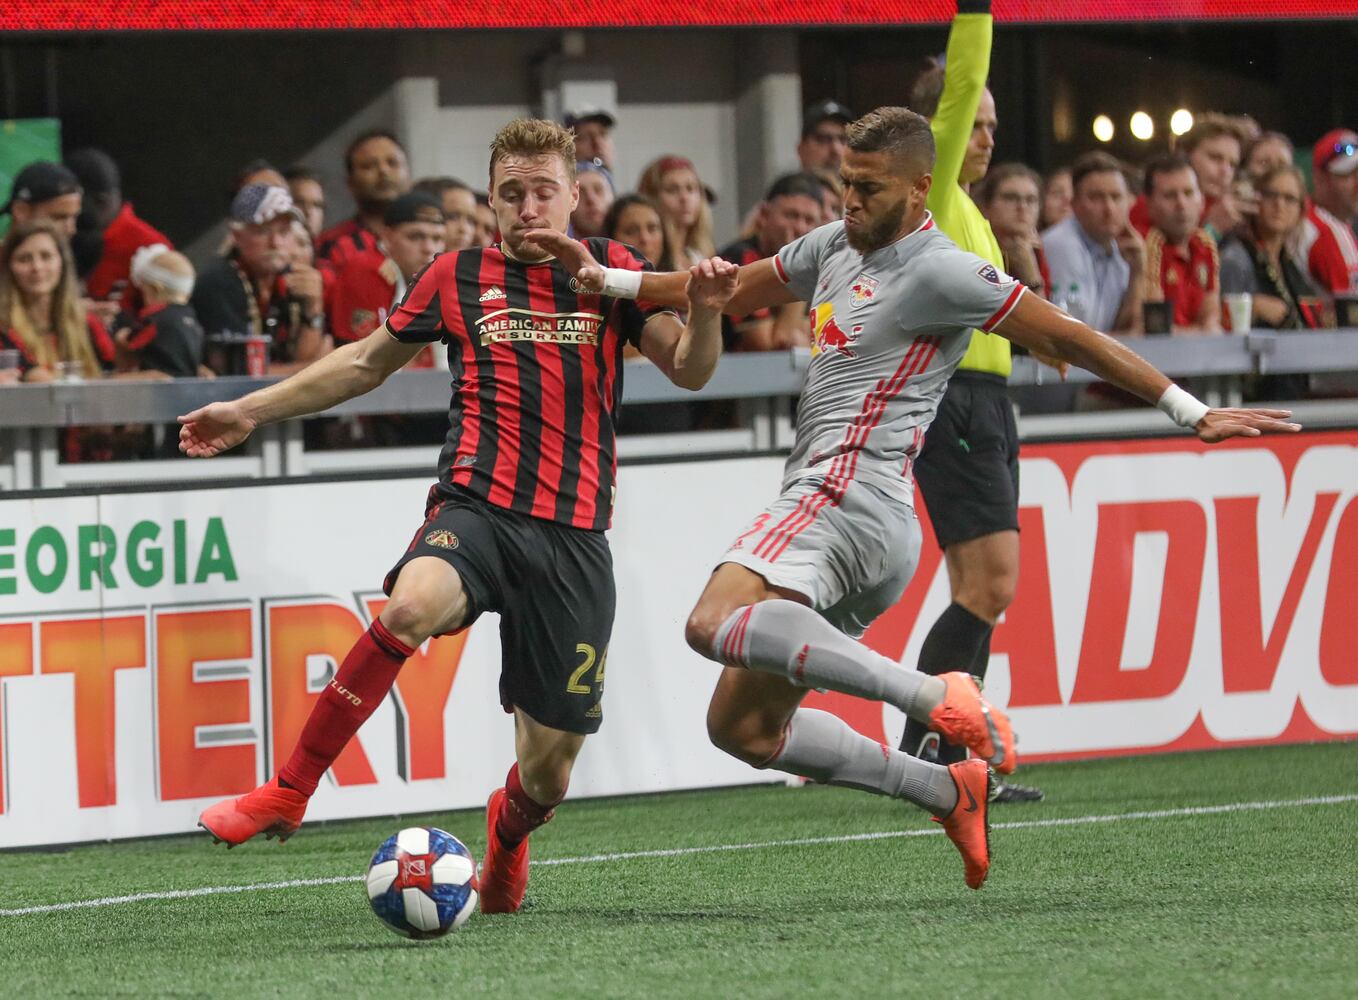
x=577 y=684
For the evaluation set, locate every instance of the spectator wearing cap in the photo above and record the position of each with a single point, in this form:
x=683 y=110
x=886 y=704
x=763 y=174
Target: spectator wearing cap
x=824 y=136
x=412 y=235
x=44 y=190
x=308 y=194
x=111 y=227
x=1182 y=267
x=1265 y=154
x=593 y=129
x=165 y=335
x=1327 y=240
x=1010 y=201
x=378 y=173
x=256 y=289
x=596 y=198
x=792 y=207
x=40 y=311
x=458 y=202
x=672 y=182
x=1095 y=257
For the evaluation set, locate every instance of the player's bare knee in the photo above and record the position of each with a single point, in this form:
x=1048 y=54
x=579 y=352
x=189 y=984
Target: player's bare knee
x=545 y=779
x=700 y=630
x=410 y=619
x=741 y=736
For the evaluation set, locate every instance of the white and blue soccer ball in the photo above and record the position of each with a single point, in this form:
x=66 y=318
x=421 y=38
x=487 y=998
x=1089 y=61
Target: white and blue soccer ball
x=422 y=883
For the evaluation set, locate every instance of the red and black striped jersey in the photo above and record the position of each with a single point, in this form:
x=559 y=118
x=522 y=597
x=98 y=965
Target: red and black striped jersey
x=346 y=239
x=537 y=377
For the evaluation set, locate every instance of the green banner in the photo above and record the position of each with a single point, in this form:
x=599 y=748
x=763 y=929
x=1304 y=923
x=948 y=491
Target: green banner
x=23 y=140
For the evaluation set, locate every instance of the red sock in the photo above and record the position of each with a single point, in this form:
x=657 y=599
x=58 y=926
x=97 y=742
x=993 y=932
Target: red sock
x=360 y=684
x=519 y=815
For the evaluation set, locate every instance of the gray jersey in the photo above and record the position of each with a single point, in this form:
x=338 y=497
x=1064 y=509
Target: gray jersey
x=888 y=329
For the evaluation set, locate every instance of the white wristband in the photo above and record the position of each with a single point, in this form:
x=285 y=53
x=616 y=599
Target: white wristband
x=1183 y=408
x=621 y=283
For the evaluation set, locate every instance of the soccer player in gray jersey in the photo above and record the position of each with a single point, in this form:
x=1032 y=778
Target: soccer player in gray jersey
x=891 y=302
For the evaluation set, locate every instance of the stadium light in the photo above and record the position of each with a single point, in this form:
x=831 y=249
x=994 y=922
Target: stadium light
x=1142 y=126
x=1181 y=121
x=1103 y=128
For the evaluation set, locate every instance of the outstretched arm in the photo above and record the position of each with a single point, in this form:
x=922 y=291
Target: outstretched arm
x=964 y=77
x=343 y=374
x=1039 y=326
x=688 y=354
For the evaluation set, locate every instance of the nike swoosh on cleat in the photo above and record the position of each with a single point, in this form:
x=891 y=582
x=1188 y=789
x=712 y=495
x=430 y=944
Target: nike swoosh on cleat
x=970 y=798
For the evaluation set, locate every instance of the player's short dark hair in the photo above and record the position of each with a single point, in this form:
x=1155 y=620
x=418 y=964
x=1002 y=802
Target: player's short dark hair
x=439 y=186
x=1096 y=162
x=927 y=90
x=799 y=183
x=1170 y=163
x=301 y=172
x=366 y=137
x=534 y=137
x=1005 y=172
x=898 y=131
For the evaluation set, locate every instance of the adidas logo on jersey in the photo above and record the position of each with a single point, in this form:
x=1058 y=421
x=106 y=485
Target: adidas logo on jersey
x=492 y=293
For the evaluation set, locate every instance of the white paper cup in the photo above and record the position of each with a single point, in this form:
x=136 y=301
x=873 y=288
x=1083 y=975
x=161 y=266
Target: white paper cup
x=1239 y=308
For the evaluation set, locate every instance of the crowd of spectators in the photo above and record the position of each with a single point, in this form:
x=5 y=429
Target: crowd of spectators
x=1218 y=234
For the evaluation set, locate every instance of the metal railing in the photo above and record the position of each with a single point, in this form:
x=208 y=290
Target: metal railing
x=764 y=385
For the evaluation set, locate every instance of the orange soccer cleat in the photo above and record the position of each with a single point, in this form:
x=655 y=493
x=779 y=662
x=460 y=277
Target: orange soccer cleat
x=270 y=809
x=968 y=825
x=504 y=873
x=967 y=719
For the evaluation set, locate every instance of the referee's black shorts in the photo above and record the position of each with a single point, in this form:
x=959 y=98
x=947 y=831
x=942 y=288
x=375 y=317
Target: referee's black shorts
x=968 y=468
x=553 y=588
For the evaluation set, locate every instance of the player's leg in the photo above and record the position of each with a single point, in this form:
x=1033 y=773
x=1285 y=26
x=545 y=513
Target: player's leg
x=429 y=596
x=554 y=630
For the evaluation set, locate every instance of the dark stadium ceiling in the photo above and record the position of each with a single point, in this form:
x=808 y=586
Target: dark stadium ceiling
x=249 y=15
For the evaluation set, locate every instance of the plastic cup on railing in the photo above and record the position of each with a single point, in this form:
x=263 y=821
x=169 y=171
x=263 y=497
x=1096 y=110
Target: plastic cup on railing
x=1239 y=310
x=70 y=371
x=9 y=365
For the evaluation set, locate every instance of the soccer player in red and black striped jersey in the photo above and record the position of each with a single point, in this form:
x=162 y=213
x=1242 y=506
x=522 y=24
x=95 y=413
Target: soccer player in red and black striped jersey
x=515 y=523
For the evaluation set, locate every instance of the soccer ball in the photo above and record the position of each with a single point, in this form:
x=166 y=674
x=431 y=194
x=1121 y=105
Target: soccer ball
x=422 y=883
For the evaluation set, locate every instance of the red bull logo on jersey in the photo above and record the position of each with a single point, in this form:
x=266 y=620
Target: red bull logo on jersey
x=828 y=335
x=862 y=290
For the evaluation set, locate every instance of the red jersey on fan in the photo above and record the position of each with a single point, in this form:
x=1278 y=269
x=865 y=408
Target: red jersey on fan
x=537 y=377
x=1330 y=251
x=125 y=235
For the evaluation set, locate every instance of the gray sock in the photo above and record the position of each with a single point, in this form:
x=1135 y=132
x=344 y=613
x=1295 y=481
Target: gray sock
x=784 y=637
x=824 y=747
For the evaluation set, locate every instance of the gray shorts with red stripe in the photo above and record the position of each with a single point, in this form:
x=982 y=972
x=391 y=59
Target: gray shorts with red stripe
x=849 y=550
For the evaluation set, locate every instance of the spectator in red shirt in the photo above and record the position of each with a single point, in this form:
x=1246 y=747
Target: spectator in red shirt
x=792 y=207
x=596 y=198
x=112 y=229
x=1266 y=153
x=378 y=173
x=1057 y=193
x=1181 y=257
x=824 y=136
x=365 y=295
x=40 y=312
x=593 y=128
x=44 y=190
x=1327 y=241
x=308 y=194
x=1010 y=201
x=1213 y=148
x=459 y=210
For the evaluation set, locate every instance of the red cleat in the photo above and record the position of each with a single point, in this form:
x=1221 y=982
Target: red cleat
x=968 y=825
x=967 y=719
x=270 y=809
x=504 y=873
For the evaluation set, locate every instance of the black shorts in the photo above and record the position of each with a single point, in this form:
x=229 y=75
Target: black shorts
x=553 y=588
x=968 y=468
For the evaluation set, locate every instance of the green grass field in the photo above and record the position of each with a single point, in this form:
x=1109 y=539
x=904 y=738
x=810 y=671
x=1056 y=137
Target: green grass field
x=1229 y=902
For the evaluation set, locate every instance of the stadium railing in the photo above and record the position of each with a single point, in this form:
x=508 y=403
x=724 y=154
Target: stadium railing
x=763 y=385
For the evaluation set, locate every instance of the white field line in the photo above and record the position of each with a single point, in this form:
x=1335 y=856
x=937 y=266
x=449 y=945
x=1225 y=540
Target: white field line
x=676 y=852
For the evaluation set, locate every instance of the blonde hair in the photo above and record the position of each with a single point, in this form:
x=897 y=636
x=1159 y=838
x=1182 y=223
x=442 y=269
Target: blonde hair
x=67 y=318
x=534 y=137
x=177 y=264
x=698 y=238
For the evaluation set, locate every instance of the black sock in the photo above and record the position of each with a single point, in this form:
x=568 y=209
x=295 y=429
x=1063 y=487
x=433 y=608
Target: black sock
x=954 y=643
